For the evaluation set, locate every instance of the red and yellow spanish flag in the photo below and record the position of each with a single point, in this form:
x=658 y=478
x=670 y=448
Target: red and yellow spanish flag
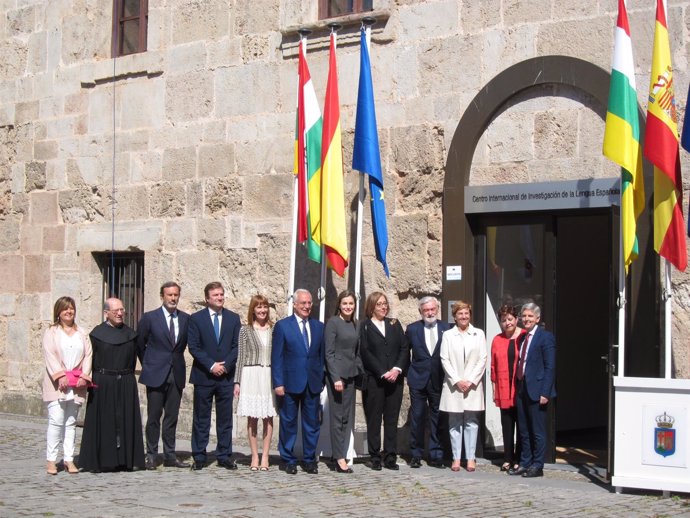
x=661 y=149
x=308 y=161
x=333 y=233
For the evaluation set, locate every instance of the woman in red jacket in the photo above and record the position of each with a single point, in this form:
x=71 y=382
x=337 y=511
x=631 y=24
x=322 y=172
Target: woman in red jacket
x=504 y=359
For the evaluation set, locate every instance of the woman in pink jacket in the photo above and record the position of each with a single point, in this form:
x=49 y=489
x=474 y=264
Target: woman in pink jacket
x=67 y=352
x=504 y=359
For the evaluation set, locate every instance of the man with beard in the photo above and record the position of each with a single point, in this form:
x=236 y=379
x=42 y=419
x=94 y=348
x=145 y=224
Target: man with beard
x=112 y=438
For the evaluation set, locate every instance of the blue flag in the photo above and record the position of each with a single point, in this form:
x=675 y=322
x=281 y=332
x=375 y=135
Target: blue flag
x=366 y=156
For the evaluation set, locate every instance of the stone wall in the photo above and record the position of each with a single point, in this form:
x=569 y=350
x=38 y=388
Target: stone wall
x=189 y=145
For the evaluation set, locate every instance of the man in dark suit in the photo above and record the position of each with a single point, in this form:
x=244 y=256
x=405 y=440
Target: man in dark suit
x=536 y=372
x=161 y=343
x=213 y=336
x=297 y=361
x=425 y=379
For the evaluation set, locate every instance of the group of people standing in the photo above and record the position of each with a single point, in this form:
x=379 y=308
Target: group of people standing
x=280 y=369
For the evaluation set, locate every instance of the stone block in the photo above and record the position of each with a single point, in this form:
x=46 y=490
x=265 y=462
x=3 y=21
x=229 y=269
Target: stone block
x=189 y=96
x=31 y=242
x=146 y=166
x=444 y=62
x=590 y=133
x=518 y=11
x=66 y=261
x=417 y=148
x=588 y=39
x=265 y=156
x=502 y=47
x=254 y=16
x=76 y=103
x=21 y=22
x=224 y=196
x=210 y=234
x=10 y=232
x=45 y=149
x=225 y=52
x=12 y=273
x=421 y=20
x=195 y=198
x=44 y=208
x=69 y=283
x=216 y=160
x=194 y=20
x=83 y=41
x=167 y=200
x=35 y=173
x=268 y=195
x=147 y=95
x=495 y=174
x=26 y=112
x=145 y=235
x=246 y=90
x=257 y=47
x=197 y=268
x=13 y=58
x=555 y=134
x=179 y=163
x=37 y=273
x=81 y=205
x=179 y=235
x=187 y=58
x=477 y=16
x=7 y=305
x=509 y=137
x=54 y=238
x=132 y=203
x=17 y=340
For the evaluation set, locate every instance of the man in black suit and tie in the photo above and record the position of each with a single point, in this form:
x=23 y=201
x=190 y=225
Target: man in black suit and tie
x=213 y=336
x=161 y=343
x=425 y=379
x=536 y=371
x=297 y=361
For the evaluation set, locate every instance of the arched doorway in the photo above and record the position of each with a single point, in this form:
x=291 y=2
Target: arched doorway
x=465 y=241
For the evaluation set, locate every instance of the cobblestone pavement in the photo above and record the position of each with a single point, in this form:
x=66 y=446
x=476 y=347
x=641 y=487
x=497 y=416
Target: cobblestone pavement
x=26 y=490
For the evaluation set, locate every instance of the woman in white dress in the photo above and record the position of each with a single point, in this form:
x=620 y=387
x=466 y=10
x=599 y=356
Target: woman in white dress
x=67 y=352
x=253 y=374
x=463 y=356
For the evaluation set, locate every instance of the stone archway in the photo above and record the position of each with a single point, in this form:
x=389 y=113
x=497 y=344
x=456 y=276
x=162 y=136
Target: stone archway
x=458 y=241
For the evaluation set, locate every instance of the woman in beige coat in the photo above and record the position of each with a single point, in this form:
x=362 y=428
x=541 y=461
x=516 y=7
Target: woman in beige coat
x=67 y=352
x=463 y=356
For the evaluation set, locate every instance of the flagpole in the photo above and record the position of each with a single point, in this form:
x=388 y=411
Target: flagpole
x=620 y=369
x=367 y=22
x=668 y=308
x=295 y=203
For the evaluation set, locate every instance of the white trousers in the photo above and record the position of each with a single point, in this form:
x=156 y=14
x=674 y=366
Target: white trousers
x=463 y=427
x=62 y=428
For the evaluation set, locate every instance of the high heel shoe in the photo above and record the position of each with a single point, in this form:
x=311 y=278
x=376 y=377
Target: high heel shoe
x=51 y=468
x=455 y=466
x=471 y=465
x=71 y=467
x=341 y=470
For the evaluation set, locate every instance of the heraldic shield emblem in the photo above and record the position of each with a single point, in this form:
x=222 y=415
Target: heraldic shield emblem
x=665 y=435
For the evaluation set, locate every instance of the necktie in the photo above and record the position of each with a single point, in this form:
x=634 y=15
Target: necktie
x=172 y=328
x=216 y=326
x=523 y=355
x=305 y=335
x=431 y=339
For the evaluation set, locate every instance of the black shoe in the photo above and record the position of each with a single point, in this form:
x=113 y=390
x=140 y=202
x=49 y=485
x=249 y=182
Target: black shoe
x=435 y=463
x=416 y=462
x=392 y=465
x=291 y=469
x=533 y=472
x=175 y=463
x=519 y=471
x=198 y=465
x=150 y=463
x=376 y=465
x=338 y=469
x=227 y=464
x=312 y=468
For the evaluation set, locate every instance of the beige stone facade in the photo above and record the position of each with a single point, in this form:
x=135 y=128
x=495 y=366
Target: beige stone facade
x=189 y=146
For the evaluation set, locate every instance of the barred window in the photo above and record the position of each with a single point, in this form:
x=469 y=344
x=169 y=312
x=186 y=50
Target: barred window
x=123 y=278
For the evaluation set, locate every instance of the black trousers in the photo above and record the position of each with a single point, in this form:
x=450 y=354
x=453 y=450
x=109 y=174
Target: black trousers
x=511 y=429
x=382 y=401
x=164 y=398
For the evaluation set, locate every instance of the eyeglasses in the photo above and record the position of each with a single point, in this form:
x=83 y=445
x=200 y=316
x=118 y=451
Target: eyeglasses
x=120 y=310
x=382 y=304
x=304 y=303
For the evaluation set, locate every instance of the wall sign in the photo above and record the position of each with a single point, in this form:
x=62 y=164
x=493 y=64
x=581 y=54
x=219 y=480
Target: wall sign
x=570 y=194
